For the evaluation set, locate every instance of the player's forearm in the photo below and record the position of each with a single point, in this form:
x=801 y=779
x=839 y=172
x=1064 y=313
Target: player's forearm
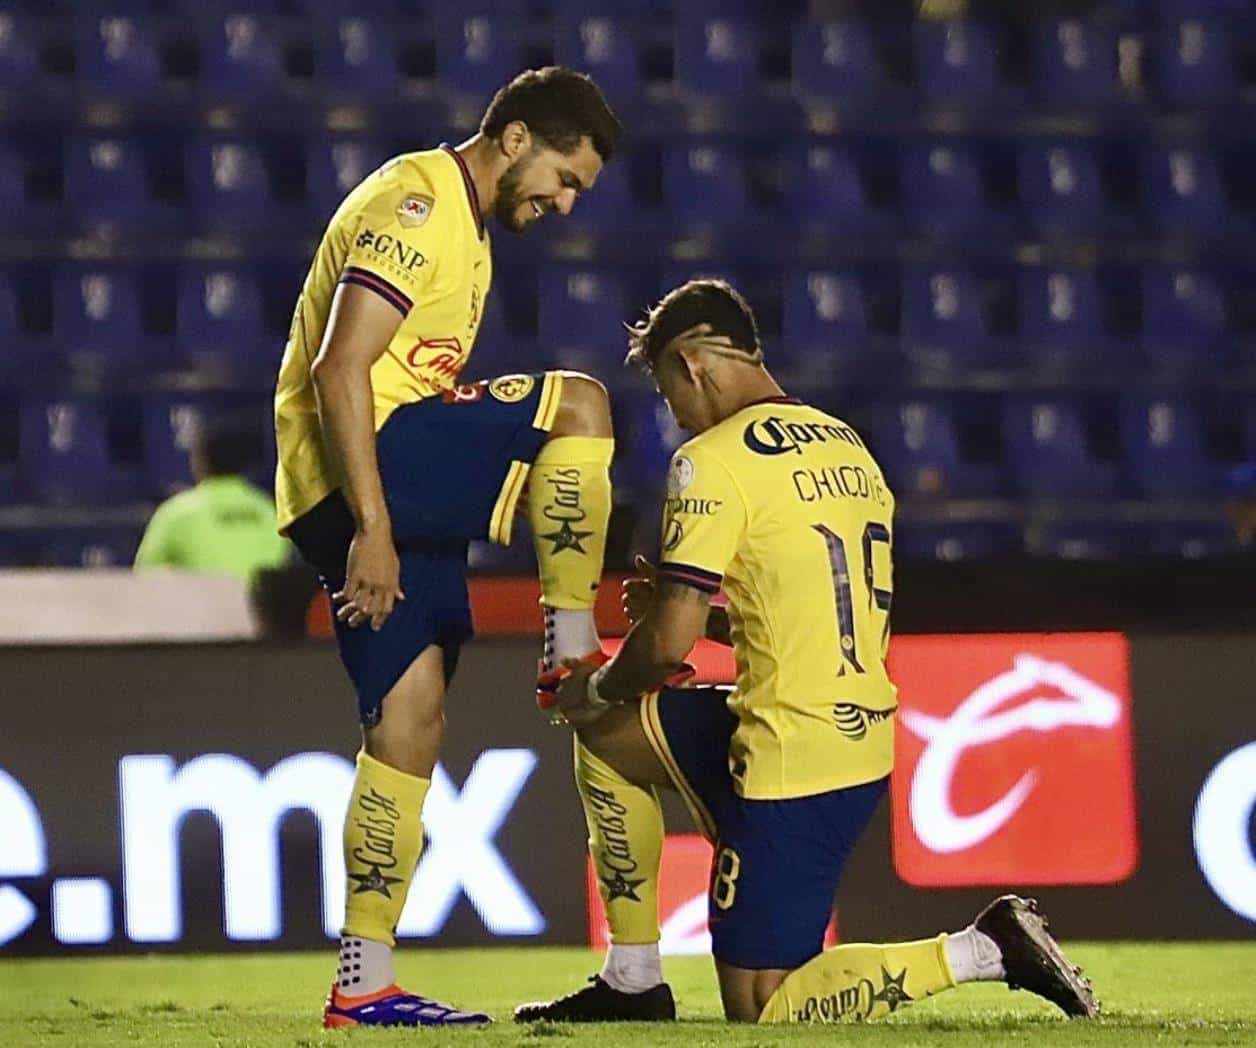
x=644 y=662
x=346 y=411
x=719 y=628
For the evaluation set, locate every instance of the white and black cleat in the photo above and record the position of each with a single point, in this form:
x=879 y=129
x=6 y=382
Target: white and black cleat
x=1032 y=960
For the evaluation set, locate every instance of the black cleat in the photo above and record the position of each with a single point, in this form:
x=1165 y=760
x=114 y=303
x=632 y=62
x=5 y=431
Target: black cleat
x=1032 y=959
x=600 y=1002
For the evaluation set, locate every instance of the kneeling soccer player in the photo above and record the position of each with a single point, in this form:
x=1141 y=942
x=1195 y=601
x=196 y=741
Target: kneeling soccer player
x=784 y=508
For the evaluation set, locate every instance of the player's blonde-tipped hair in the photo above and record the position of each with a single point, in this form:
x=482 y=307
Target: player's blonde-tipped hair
x=707 y=301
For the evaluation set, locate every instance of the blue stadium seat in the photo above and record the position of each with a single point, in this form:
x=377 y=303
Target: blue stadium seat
x=1081 y=538
x=1186 y=320
x=1192 y=538
x=1061 y=189
x=580 y=318
x=834 y=332
x=918 y=445
x=1184 y=192
x=1063 y=325
x=826 y=187
x=242 y=58
x=220 y=316
x=103 y=547
x=20 y=65
x=717 y=56
x=476 y=54
x=606 y=49
x=334 y=167
x=705 y=181
x=64 y=451
x=27 y=208
x=229 y=185
x=98 y=316
x=825 y=308
x=942 y=186
x=946 y=321
x=611 y=203
x=170 y=423
x=838 y=63
x=1075 y=64
x=957 y=61
x=357 y=56
x=1166 y=448
x=646 y=434
x=1196 y=63
x=1091 y=538
x=955 y=540
x=118 y=55
x=1051 y=451
x=21 y=357
x=109 y=188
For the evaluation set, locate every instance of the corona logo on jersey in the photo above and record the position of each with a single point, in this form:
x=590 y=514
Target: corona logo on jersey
x=1013 y=760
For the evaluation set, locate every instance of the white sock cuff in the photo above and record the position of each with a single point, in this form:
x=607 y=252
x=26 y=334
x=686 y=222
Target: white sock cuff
x=632 y=968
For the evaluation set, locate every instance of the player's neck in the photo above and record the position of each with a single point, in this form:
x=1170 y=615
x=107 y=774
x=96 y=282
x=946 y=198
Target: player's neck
x=479 y=154
x=757 y=386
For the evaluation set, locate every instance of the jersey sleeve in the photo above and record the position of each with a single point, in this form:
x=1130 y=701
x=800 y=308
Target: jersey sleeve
x=393 y=245
x=704 y=520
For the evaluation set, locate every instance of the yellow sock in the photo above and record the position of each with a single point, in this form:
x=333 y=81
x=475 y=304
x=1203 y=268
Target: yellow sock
x=383 y=838
x=569 y=507
x=626 y=841
x=860 y=982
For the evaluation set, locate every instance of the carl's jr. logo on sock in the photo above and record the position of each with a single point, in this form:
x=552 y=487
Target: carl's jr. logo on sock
x=377 y=818
x=855 y=1001
x=564 y=509
x=615 y=861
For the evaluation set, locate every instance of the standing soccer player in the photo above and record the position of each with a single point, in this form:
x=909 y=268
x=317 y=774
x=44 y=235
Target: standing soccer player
x=387 y=468
x=783 y=507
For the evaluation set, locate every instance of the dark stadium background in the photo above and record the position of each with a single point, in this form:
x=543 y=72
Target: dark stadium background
x=1012 y=244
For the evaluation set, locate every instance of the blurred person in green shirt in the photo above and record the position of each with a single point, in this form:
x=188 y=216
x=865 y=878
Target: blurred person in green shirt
x=224 y=525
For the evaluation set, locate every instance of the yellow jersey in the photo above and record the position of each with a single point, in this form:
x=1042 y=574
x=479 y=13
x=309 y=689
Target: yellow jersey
x=412 y=233
x=784 y=508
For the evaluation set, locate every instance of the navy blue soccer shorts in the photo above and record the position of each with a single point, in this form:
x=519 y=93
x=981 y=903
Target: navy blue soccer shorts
x=777 y=863
x=453 y=469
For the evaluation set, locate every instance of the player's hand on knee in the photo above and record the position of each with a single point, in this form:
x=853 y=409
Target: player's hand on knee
x=372 y=581
x=572 y=697
x=636 y=592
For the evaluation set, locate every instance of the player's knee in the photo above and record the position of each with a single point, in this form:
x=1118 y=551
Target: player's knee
x=409 y=733
x=585 y=407
x=595 y=738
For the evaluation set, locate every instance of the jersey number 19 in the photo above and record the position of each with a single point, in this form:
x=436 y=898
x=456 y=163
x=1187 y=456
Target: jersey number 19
x=878 y=599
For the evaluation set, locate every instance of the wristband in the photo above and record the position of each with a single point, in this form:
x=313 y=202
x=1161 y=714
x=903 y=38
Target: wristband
x=592 y=696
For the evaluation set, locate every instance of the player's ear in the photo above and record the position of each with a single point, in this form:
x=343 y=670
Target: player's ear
x=691 y=359
x=516 y=140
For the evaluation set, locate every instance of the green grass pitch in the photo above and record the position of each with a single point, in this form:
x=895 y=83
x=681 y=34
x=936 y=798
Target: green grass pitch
x=1153 y=994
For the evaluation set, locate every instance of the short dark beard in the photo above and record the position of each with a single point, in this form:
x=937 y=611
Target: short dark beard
x=506 y=206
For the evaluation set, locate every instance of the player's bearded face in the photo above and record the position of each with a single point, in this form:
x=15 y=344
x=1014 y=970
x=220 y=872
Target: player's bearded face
x=544 y=180
x=511 y=208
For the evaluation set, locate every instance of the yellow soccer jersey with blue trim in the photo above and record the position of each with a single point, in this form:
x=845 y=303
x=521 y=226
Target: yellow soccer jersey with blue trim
x=784 y=508
x=412 y=233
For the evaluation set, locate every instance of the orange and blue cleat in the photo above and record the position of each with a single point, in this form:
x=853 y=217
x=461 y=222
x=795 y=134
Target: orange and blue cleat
x=393 y=1006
